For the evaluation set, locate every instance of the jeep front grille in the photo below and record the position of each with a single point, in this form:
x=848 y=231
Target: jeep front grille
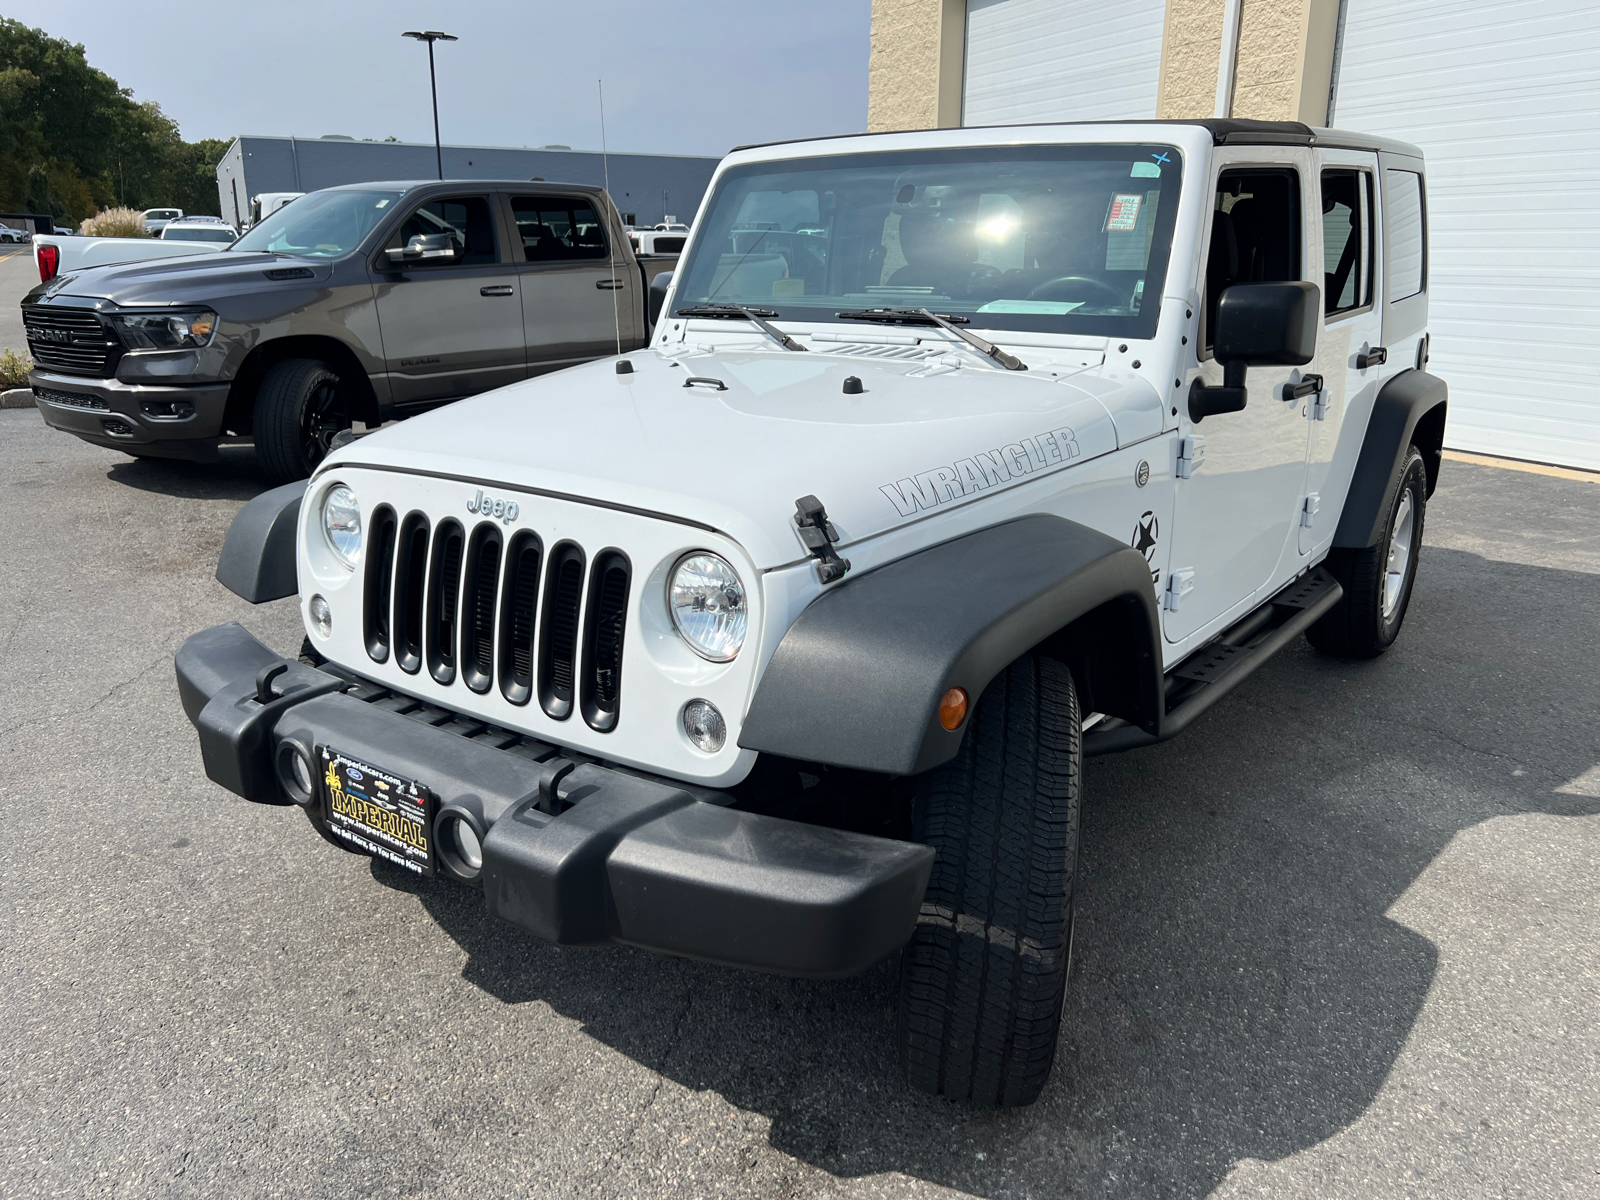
x=73 y=340
x=487 y=612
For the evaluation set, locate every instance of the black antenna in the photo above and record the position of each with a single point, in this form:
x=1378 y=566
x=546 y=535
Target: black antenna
x=605 y=164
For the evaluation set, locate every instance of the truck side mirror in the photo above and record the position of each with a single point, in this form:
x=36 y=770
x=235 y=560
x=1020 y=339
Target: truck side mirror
x=1258 y=325
x=425 y=246
x=658 y=295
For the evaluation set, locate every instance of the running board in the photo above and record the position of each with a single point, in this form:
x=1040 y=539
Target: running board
x=1214 y=670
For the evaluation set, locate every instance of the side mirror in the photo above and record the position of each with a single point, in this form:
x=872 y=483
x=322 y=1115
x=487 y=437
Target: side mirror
x=658 y=295
x=424 y=246
x=1258 y=325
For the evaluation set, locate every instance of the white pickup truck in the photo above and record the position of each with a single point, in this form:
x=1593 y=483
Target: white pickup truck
x=956 y=456
x=59 y=254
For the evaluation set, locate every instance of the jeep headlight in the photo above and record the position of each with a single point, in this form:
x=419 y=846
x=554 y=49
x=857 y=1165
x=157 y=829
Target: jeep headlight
x=708 y=605
x=341 y=524
x=168 y=329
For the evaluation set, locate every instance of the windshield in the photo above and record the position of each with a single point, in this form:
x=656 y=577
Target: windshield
x=1067 y=239
x=196 y=233
x=322 y=225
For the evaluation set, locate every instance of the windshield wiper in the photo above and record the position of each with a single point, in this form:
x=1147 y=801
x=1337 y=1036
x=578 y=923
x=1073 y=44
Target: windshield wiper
x=755 y=315
x=945 y=321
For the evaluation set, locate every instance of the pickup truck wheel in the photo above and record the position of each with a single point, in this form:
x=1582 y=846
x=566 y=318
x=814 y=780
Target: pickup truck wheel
x=982 y=981
x=298 y=410
x=1377 y=581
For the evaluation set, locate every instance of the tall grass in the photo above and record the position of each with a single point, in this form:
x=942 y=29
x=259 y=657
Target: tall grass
x=115 y=222
x=13 y=370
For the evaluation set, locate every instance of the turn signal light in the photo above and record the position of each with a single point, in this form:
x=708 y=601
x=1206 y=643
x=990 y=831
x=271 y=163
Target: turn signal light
x=49 y=261
x=953 y=709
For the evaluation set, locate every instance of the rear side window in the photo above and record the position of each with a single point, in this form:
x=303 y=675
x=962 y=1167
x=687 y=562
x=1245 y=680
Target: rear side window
x=558 y=228
x=1407 y=225
x=1347 y=248
x=468 y=221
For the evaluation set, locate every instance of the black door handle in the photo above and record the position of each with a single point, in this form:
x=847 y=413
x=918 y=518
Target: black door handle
x=608 y=285
x=1309 y=385
x=1375 y=357
x=500 y=289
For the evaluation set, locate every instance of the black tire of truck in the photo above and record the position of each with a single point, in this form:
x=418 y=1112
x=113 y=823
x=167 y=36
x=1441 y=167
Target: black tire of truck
x=1377 y=581
x=299 y=407
x=983 y=978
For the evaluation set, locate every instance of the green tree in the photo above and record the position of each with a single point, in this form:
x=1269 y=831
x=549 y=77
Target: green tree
x=72 y=141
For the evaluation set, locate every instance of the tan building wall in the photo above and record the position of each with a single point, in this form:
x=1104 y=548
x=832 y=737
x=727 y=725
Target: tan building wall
x=914 y=70
x=1285 y=60
x=1283 y=68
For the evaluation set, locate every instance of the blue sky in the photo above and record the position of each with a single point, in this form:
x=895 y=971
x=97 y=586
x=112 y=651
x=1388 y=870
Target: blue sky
x=680 y=78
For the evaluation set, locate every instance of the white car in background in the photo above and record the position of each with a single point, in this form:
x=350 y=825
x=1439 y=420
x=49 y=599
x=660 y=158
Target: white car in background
x=13 y=236
x=267 y=203
x=213 y=230
x=157 y=219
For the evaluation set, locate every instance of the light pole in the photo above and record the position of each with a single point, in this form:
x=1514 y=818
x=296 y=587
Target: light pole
x=431 y=36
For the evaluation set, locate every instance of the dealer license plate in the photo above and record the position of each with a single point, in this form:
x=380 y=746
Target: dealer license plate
x=383 y=814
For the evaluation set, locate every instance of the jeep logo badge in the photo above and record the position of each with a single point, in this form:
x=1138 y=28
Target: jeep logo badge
x=505 y=510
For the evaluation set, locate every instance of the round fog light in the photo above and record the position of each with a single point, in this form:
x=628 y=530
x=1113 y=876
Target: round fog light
x=467 y=844
x=459 y=840
x=321 y=616
x=704 y=725
x=294 y=773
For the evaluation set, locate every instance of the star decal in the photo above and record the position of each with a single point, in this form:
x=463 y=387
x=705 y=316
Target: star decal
x=1146 y=535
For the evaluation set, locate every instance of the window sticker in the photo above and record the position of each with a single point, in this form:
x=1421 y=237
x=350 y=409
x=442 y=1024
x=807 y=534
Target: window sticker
x=1123 y=215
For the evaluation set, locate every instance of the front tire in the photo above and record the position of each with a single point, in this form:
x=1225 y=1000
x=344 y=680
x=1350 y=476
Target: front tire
x=299 y=408
x=1377 y=581
x=983 y=978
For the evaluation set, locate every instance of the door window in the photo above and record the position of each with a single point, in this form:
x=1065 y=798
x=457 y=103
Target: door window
x=558 y=228
x=468 y=220
x=1255 y=233
x=1402 y=197
x=1347 y=246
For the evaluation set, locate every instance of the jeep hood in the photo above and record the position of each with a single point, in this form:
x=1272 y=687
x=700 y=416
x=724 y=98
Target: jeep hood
x=915 y=441
x=186 y=279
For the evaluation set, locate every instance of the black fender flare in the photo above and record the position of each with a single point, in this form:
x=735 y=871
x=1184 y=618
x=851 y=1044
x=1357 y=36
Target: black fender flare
x=258 y=556
x=857 y=679
x=1411 y=407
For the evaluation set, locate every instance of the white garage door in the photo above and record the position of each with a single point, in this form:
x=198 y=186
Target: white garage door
x=1504 y=99
x=1061 y=60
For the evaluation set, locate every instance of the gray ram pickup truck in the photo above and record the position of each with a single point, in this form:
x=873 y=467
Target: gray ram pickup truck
x=368 y=303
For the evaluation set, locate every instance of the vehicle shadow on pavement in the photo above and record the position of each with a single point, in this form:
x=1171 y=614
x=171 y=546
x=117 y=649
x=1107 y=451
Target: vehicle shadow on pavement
x=234 y=476
x=1238 y=989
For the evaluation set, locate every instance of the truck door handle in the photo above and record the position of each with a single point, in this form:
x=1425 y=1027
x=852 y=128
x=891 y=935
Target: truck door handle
x=499 y=289
x=1375 y=357
x=1309 y=385
x=609 y=285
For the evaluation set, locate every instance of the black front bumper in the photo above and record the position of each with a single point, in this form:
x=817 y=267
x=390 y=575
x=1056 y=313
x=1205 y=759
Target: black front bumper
x=144 y=417
x=595 y=856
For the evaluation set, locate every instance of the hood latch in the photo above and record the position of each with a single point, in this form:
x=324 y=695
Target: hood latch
x=819 y=535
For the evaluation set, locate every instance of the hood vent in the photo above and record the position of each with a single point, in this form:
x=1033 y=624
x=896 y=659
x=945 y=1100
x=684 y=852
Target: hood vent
x=280 y=273
x=886 y=353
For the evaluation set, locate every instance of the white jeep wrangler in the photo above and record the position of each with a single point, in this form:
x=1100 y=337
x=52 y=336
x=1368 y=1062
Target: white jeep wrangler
x=955 y=456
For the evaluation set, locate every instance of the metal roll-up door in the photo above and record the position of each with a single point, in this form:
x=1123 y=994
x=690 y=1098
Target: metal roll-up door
x=1504 y=99
x=1061 y=60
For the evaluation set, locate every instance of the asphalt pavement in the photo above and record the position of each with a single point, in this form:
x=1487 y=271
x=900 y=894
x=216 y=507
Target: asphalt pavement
x=1337 y=940
x=17 y=278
